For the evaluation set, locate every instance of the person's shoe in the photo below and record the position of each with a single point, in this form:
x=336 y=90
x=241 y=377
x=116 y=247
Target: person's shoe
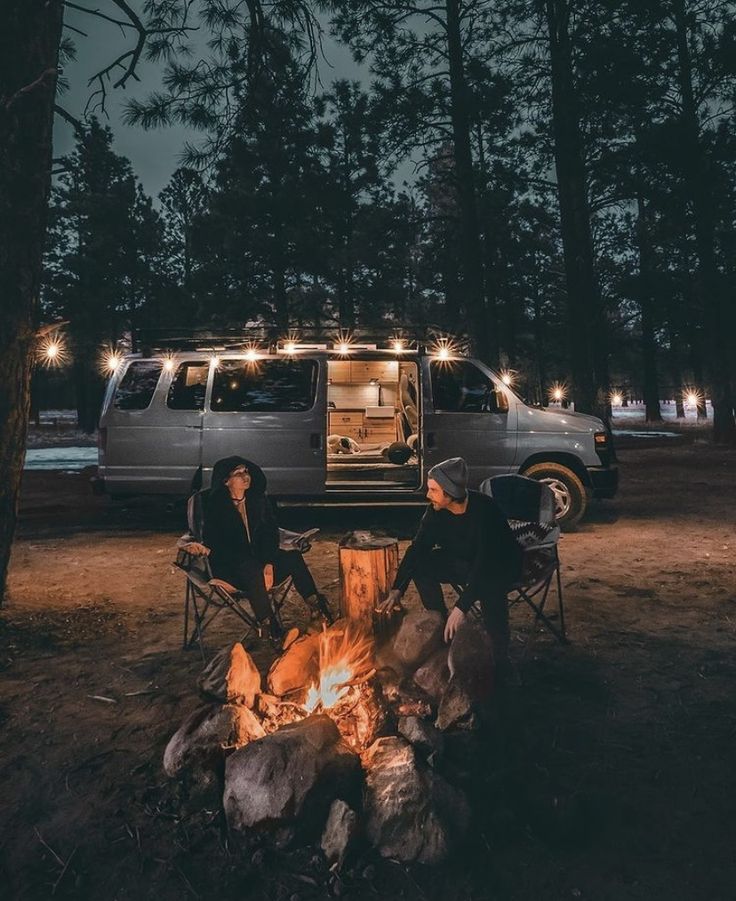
x=274 y=631
x=320 y=608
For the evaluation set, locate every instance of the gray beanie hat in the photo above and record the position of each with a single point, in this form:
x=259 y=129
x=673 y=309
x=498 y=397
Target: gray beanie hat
x=452 y=476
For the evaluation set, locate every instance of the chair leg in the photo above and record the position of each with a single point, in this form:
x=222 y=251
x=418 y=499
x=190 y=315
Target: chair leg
x=561 y=606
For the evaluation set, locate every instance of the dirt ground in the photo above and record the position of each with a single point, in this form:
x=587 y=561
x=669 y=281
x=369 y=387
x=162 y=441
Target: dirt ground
x=607 y=773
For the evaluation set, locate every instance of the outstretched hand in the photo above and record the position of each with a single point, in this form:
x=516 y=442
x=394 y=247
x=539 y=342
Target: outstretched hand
x=454 y=621
x=391 y=602
x=196 y=549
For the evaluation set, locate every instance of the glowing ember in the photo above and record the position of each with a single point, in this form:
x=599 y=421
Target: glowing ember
x=344 y=658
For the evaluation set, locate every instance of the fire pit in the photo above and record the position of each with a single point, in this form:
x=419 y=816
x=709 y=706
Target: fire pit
x=343 y=734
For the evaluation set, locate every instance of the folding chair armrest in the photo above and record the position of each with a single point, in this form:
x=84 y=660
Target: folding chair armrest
x=296 y=541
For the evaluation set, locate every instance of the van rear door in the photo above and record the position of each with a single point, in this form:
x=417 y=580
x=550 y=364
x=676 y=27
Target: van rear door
x=461 y=419
x=271 y=410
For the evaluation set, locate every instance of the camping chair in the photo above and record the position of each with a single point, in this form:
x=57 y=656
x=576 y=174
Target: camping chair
x=529 y=507
x=205 y=598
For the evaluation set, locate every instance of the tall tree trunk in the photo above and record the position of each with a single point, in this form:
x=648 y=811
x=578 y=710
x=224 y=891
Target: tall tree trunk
x=29 y=49
x=698 y=178
x=540 y=352
x=648 y=342
x=490 y=288
x=466 y=191
x=583 y=304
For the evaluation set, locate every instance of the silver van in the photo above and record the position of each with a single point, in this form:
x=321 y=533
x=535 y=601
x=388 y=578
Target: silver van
x=351 y=425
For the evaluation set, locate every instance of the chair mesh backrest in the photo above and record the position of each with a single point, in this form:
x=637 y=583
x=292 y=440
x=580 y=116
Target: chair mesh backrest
x=529 y=507
x=195 y=513
x=521 y=498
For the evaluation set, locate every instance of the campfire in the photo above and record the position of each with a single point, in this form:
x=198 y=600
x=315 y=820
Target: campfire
x=343 y=685
x=345 y=658
x=341 y=739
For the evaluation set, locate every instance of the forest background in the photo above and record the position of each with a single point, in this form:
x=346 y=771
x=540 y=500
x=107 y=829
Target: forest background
x=553 y=180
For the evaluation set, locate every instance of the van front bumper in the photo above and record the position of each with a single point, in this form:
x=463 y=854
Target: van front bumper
x=603 y=480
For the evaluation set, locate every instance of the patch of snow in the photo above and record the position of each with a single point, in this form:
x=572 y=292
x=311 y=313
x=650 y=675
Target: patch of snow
x=633 y=433
x=70 y=459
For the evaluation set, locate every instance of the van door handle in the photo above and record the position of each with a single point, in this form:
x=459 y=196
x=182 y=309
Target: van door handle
x=430 y=440
x=315 y=440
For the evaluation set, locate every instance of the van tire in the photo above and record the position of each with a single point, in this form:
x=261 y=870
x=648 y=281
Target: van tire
x=569 y=491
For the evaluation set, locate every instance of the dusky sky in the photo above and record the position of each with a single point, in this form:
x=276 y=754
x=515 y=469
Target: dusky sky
x=154 y=154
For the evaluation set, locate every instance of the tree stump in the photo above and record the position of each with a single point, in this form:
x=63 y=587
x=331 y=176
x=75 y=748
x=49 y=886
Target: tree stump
x=368 y=565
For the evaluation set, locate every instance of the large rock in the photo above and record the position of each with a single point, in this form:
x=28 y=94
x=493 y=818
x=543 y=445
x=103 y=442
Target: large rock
x=470 y=660
x=457 y=708
x=418 y=637
x=433 y=675
x=296 y=668
x=470 y=663
x=285 y=783
x=204 y=737
x=340 y=832
x=423 y=736
x=412 y=814
x=232 y=677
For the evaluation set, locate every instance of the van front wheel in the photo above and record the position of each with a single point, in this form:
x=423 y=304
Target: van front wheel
x=570 y=497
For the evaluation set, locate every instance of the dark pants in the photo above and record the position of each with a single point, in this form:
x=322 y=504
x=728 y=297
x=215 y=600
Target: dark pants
x=247 y=576
x=437 y=568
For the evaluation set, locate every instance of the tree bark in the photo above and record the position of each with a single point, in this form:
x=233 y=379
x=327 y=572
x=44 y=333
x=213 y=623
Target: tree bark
x=29 y=49
x=648 y=342
x=698 y=179
x=466 y=190
x=583 y=294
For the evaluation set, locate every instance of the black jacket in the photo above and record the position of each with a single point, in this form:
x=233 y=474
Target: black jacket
x=480 y=539
x=223 y=529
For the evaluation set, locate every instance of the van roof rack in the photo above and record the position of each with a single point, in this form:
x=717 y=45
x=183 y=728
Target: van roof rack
x=266 y=338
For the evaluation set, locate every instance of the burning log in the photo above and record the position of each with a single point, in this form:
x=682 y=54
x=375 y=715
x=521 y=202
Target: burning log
x=361 y=715
x=368 y=565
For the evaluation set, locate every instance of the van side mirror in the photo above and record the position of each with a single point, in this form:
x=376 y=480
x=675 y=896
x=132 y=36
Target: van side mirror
x=496 y=401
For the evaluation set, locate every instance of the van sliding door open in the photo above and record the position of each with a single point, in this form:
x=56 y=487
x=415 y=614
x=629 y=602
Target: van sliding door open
x=372 y=425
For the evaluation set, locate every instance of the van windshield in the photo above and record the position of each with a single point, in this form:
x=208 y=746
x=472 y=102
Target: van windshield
x=273 y=385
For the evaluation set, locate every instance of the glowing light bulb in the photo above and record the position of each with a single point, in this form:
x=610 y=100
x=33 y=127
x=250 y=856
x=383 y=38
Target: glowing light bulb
x=215 y=360
x=52 y=351
x=290 y=347
x=251 y=355
x=692 y=399
x=398 y=346
x=617 y=399
x=507 y=378
x=557 y=394
x=168 y=364
x=443 y=353
x=112 y=361
x=343 y=347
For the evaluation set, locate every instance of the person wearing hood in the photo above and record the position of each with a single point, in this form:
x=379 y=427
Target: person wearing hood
x=241 y=536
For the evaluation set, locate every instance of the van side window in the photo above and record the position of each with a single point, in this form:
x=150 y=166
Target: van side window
x=458 y=386
x=265 y=385
x=137 y=385
x=188 y=387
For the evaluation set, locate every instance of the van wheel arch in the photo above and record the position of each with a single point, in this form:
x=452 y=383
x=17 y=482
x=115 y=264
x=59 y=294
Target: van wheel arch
x=564 y=478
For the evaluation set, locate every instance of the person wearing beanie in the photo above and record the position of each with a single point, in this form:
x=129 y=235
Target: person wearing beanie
x=240 y=535
x=463 y=538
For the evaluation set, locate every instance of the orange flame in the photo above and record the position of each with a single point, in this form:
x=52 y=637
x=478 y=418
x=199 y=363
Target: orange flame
x=344 y=656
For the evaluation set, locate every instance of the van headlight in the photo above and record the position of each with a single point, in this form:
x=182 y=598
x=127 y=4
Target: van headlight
x=601 y=440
